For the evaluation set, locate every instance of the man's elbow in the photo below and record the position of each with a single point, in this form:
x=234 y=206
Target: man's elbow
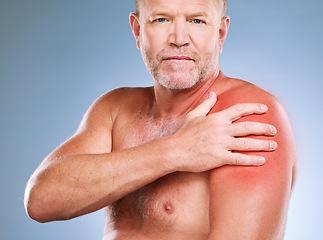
x=41 y=206
x=36 y=213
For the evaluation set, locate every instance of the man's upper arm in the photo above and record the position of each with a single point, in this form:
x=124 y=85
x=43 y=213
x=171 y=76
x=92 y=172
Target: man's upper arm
x=94 y=133
x=252 y=202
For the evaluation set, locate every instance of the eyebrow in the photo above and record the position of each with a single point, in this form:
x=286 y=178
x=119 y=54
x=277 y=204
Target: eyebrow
x=189 y=15
x=157 y=13
x=198 y=14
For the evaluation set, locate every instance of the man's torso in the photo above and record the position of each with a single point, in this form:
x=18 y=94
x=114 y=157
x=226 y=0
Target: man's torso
x=175 y=206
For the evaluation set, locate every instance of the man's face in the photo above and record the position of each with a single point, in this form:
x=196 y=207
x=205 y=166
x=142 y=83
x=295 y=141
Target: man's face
x=179 y=40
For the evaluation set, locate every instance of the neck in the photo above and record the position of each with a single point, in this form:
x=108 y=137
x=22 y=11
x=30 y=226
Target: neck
x=179 y=102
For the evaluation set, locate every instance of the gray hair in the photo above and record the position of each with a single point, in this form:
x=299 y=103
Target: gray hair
x=224 y=7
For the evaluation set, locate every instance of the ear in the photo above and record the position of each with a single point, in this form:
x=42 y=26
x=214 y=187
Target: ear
x=135 y=27
x=223 y=31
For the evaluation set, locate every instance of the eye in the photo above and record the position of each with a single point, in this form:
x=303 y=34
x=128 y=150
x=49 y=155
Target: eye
x=197 y=21
x=161 y=20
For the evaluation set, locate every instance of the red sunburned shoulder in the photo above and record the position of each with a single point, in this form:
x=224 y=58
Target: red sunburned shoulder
x=279 y=162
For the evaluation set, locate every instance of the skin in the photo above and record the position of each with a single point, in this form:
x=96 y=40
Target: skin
x=174 y=161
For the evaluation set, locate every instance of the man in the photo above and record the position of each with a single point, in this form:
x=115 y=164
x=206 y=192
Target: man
x=155 y=156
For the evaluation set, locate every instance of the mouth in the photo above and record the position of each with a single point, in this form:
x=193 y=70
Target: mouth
x=179 y=58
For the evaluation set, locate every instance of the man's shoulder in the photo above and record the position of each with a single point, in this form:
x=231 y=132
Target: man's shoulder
x=284 y=158
x=128 y=93
x=246 y=92
x=126 y=97
x=118 y=101
x=241 y=91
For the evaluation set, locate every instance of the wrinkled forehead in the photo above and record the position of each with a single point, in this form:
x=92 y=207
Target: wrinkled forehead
x=168 y=5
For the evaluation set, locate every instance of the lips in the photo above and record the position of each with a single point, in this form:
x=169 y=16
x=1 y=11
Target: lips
x=179 y=58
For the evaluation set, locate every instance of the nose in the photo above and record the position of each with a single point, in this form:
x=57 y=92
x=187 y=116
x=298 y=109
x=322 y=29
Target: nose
x=179 y=36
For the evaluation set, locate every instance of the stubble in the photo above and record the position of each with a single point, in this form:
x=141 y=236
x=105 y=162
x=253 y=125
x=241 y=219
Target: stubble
x=177 y=77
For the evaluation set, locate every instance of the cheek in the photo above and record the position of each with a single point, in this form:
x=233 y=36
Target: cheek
x=153 y=40
x=205 y=42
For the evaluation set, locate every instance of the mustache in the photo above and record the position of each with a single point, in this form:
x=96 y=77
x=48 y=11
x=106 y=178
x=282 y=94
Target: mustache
x=185 y=54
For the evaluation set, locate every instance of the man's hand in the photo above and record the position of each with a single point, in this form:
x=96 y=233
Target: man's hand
x=209 y=141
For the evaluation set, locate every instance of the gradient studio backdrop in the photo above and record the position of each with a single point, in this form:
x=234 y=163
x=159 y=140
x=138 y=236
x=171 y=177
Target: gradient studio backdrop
x=57 y=57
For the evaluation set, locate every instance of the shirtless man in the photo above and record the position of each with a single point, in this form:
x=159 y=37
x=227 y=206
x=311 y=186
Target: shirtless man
x=160 y=159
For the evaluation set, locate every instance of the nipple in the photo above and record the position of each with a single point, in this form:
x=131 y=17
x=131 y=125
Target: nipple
x=168 y=207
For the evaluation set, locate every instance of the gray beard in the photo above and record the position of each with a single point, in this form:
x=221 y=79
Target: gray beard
x=202 y=69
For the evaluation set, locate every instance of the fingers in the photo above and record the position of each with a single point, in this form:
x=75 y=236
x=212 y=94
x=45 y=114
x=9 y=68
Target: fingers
x=244 y=160
x=243 y=109
x=249 y=144
x=204 y=108
x=251 y=128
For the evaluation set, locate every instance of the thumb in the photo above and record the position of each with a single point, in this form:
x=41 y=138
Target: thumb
x=204 y=108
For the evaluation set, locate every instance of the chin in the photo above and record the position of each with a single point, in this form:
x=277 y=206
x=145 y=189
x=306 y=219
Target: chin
x=178 y=85
x=177 y=81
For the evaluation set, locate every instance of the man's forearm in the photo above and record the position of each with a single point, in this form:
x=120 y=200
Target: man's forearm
x=74 y=185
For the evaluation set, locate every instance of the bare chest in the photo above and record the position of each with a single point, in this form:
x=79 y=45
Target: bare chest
x=174 y=202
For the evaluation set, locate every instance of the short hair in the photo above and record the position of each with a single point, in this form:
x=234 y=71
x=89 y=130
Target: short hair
x=224 y=7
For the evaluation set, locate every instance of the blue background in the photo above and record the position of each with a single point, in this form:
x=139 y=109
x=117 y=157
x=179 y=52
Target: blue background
x=57 y=57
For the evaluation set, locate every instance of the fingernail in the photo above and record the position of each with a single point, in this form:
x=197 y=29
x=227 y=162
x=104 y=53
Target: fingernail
x=261 y=160
x=273 y=130
x=273 y=145
x=263 y=107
